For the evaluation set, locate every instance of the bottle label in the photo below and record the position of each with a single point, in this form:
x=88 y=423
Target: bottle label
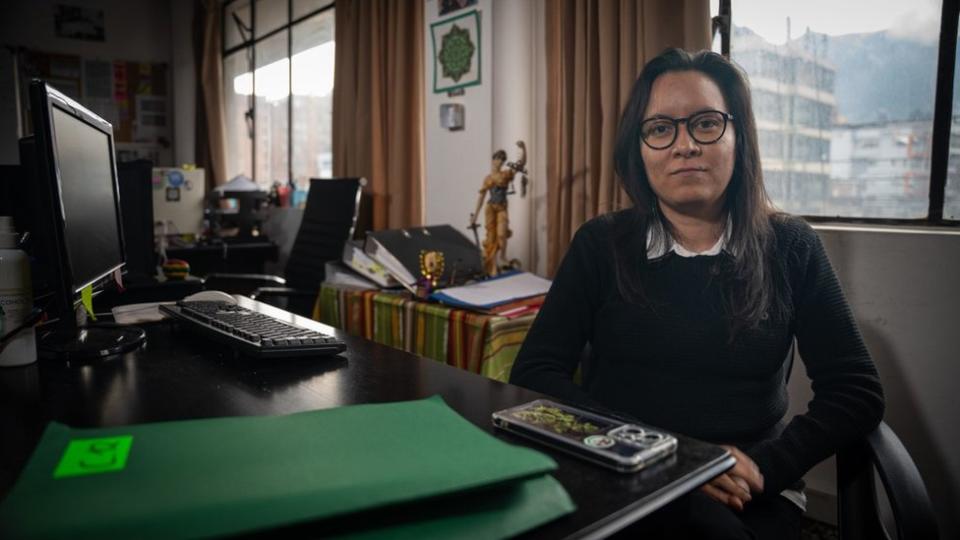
x=15 y=304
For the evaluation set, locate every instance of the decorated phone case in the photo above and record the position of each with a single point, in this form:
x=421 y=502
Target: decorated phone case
x=619 y=445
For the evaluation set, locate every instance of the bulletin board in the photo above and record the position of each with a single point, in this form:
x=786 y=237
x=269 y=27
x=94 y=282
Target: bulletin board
x=132 y=96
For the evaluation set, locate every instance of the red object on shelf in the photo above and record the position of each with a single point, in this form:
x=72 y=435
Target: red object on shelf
x=283 y=192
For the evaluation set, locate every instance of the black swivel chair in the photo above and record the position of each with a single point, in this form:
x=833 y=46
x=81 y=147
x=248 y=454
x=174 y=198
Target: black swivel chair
x=858 y=513
x=329 y=220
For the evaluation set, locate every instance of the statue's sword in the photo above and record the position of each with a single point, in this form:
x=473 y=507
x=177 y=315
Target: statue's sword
x=473 y=227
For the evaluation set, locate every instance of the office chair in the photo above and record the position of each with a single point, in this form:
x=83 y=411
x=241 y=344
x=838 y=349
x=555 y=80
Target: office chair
x=329 y=220
x=134 y=179
x=858 y=514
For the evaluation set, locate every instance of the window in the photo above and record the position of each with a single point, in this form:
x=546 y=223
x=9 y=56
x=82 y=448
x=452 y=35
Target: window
x=845 y=96
x=278 y=82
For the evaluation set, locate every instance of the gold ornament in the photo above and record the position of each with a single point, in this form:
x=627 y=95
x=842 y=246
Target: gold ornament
x=431 y=266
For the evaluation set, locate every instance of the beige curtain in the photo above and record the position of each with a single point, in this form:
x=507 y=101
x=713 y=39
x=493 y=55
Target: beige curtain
x=378 y=105
x=595 y=50
x=211 y=117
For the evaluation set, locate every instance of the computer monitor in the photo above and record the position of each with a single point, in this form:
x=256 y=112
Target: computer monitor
x=71 y=157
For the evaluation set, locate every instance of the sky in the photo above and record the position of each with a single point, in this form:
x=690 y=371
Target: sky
x=914 y=19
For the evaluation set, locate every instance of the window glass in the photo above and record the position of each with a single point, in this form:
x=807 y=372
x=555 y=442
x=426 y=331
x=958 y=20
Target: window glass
x=313 y=49
x=238 y=87
x=303 y=7
x=273 y=136
x=236 y=24
x=271 y=14
x=272 y=89
x=843 y=104
x=951 y=204
x=716 y=45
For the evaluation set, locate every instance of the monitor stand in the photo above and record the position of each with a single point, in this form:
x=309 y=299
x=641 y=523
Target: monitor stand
x=92 y=342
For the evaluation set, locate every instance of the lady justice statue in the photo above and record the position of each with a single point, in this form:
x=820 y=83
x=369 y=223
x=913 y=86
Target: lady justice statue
x=499 y=184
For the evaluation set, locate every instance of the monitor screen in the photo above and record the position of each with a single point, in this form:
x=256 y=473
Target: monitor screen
x=88 y=197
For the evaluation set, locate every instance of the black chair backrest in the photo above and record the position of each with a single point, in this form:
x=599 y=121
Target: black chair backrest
x=136 y=206
x=328 y=221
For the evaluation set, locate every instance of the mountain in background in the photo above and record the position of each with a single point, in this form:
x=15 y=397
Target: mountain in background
x=879 y=76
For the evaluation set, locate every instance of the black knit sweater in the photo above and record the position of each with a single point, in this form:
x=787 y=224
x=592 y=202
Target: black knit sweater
x=674 y=365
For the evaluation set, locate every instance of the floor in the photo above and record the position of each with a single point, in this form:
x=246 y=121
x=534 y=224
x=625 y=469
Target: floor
x=816 y=530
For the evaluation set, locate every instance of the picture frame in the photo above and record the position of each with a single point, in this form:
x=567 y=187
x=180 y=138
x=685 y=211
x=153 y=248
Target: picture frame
x=456 y=52
x=449 y=6
x=79 y=22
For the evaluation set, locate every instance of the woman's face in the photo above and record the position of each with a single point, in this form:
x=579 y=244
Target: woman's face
x=689 y=177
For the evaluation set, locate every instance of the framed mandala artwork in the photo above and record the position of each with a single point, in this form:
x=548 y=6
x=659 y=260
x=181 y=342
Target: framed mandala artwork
x=456 y=52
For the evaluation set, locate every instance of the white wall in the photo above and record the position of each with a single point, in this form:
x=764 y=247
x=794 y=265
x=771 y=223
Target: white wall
x=513 y=59
x=457 y=161
x=538 y=165
x=499 y=112
x=135 y=30
x=183 y=72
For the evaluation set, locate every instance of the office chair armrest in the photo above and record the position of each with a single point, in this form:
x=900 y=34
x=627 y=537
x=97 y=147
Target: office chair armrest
x=282 y=291
x=857 y=504
x=247 y=277
x=299 y=301
x=244 y=284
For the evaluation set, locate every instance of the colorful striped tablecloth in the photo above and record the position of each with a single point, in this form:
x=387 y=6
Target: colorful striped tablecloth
x=484 y=344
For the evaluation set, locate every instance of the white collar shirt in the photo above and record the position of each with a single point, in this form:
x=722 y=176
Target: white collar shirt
x=659 y=245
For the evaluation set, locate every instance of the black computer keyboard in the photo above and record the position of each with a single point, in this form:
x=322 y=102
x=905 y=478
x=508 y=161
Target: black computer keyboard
x=252 y=333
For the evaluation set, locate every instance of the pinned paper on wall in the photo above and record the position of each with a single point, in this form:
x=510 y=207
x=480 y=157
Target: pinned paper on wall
x=86 y=298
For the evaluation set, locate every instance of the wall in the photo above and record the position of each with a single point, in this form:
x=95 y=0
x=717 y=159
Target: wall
x=140 y=30
x=183 y=71
x=457 y=161
x=905 y=292
x=135 y=30
x=499 y=112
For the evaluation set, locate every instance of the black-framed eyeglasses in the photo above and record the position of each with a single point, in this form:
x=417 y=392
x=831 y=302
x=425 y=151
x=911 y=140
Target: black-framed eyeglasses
x=705 y=127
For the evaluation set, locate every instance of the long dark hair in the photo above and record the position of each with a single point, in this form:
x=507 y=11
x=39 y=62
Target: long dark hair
x=750 y=274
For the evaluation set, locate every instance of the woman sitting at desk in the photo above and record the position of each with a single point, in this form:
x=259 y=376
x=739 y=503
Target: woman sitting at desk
x=691 y=301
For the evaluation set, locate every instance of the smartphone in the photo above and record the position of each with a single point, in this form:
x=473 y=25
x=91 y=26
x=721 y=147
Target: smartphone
x=619 y=445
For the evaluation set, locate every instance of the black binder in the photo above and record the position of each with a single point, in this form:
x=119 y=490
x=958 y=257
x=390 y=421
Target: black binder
x=398 y=250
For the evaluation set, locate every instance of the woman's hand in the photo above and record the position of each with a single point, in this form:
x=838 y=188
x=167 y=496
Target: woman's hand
x=735 y=487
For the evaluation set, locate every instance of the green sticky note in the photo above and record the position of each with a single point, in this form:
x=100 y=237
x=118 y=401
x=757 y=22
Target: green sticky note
x=86 y=298
x=94 y=456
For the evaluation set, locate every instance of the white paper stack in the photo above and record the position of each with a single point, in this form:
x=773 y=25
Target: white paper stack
x=493 y=292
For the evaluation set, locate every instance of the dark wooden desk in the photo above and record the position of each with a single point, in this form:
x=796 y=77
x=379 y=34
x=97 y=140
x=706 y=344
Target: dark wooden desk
x=180 y=376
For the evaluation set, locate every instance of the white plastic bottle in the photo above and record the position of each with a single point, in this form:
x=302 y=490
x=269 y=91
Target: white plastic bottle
x=16 y=298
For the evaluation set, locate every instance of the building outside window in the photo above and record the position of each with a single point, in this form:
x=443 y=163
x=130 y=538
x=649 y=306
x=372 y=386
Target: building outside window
x=844 y=104
x=278 y=85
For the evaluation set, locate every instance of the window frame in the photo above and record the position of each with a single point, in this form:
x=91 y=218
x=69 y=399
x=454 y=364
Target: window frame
x=251 y=43
x=942 y=118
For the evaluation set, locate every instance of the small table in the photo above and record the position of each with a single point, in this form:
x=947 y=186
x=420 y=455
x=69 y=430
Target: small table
x=477 y=342
x=180 y=376
x=236 y=256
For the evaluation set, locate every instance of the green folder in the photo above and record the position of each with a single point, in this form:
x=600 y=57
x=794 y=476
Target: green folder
x=240 y=474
